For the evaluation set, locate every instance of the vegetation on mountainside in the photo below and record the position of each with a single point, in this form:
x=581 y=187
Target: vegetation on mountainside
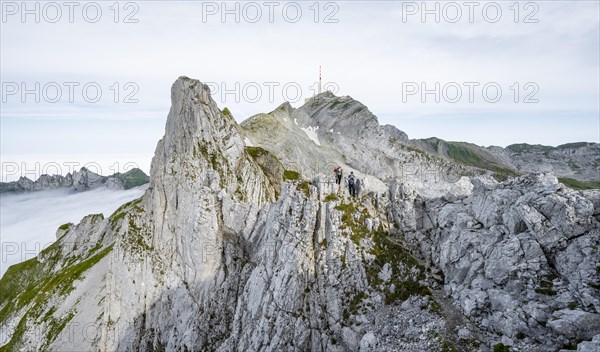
x=544 y=149
x=30 y=288
x=226 y=112
x=579 y=185
x=270 y=165
x=256 y=152
x=529 y=148
x=291 y=175
x=30 y=285
x=406 y=271
x=573 y=145
x=464 y=154
x=261 y=122
x=331 y=197
x=132 y=178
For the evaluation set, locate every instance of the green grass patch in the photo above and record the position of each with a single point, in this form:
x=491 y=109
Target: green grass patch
x=132 y=178
x=406 y=271
x=405 y=284
x=464 y=154
x=62 y=281
x=304 y=186
x=343 y=260
x=256 y=152
x=348 y=211
x=546 y=285
x=33 y=283
x=331 y=197
x=500 y=347
x=529 y=148
x=579 y=185
x=572 y=145
x=432 y=142
x=352 y=306
x=215 y=158
x=334 y=104
x=448 y=346
x=55 y=326
x=19 y=286
x=124 y=206
x=118 y=217
x=290 y=175
x=64 y=227
x=435 y=307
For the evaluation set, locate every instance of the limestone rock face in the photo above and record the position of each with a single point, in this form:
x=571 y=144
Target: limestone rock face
x=514 y=253
x=224 y=254
x=590 y=346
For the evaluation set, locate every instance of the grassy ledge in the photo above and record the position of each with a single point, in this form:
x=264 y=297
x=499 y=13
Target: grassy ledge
x=290 y=175
x=579 y=185
x=31 y=284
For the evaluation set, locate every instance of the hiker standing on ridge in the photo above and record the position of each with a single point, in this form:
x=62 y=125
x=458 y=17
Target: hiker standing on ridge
x=338 y=175
x=351 y=184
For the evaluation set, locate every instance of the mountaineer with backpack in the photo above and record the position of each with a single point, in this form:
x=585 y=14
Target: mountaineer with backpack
x=338 y=175
x=351 y=184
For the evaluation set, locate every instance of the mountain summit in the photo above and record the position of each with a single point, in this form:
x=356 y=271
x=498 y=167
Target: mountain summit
x=243 y=242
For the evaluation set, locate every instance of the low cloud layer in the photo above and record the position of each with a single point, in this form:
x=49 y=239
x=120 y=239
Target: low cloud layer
x=28 y=222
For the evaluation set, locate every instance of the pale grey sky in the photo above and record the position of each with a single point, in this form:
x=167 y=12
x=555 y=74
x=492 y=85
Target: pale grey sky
x=376 y=52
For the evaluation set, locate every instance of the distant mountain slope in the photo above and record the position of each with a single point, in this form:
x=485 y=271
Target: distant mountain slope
x=467 y=154
x=132 y=178
x=81 y=180
x=577 y=164
x=580 y=161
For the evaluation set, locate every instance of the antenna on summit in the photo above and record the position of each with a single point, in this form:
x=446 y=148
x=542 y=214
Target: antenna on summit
x=319 y=79
x=318 y=88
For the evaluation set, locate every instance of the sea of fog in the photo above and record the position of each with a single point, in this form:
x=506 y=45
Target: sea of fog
x=28 y=221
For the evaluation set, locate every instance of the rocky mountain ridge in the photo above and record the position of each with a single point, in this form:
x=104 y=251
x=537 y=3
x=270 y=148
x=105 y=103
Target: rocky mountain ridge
x=344 y=131
x=241 y=244
x=79 y=181
x=572 y=161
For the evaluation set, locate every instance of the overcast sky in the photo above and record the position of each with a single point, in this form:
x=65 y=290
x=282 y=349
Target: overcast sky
x=543 y=56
